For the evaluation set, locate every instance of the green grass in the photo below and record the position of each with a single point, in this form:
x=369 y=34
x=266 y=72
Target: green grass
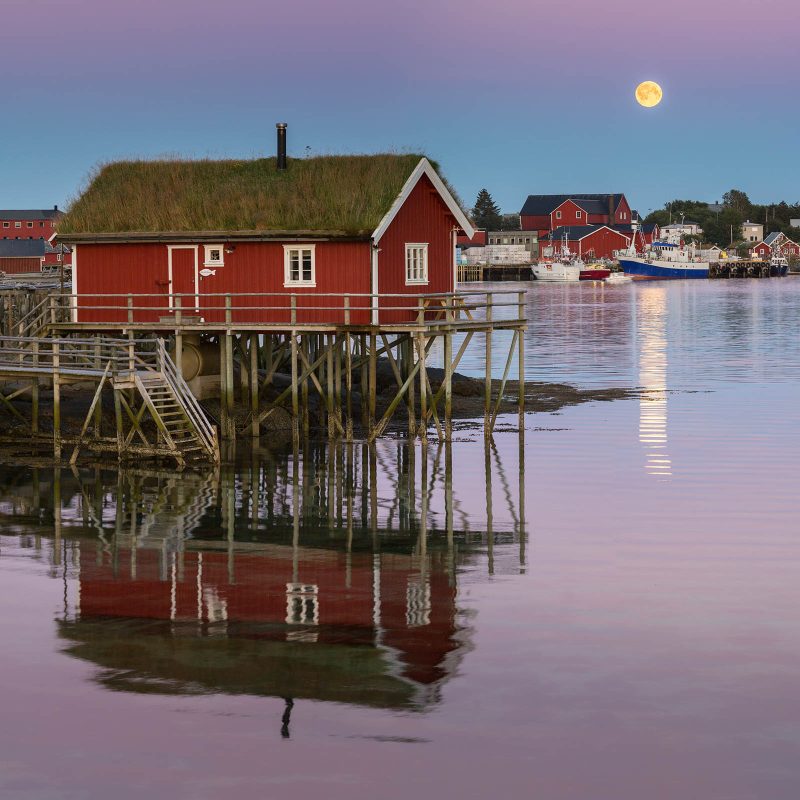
x=345 y=194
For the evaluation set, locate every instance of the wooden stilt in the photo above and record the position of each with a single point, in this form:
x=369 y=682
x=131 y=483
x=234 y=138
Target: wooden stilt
x=448 y=386
x=295 y=398
x=423 y=388
x=487 y=389
x=56 y=402
x=229 y=387
x=348 y=378
x=373 y=379
x=255 y=429
x=329 y=374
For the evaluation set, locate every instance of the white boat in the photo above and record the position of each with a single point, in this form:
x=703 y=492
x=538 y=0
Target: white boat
x=556 y=271
x=618 y=277
x=563 y=268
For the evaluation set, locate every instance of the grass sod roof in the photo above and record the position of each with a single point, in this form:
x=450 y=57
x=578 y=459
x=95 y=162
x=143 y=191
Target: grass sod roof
x=348 y=195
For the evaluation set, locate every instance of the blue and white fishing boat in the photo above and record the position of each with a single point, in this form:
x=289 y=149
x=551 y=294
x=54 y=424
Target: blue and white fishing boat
x=664 y=260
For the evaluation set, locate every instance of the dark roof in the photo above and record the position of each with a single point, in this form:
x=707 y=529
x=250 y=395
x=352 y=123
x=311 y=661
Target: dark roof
x=573 y=232
x=22 y=248
x=8 y=214
x=770 y=238
x=644 y=227
x=329 y=195
x=540 y=204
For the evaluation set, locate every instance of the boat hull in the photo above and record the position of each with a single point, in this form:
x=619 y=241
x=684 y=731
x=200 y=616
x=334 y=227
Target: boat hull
x=556 y=272
x=594 y=274
x=641 y=268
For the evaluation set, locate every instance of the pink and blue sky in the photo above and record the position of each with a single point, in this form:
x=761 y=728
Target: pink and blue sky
x=516 y=96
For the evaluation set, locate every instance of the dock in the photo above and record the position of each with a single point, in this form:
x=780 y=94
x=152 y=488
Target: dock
x=742 y=269
x=157 y=411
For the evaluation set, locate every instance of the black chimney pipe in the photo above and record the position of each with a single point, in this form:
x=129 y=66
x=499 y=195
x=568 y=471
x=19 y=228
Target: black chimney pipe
x=281 y=126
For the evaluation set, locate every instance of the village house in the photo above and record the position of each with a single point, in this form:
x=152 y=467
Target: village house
x=28 y=223
x=752 y=231
x=32 y=224
x=584 y=241
x=776 y=243
x=31 y=256
x=544 y=213
x=278 y=240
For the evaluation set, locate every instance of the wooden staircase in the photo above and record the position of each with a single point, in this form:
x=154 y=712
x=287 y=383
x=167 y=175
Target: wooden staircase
x=181 y=429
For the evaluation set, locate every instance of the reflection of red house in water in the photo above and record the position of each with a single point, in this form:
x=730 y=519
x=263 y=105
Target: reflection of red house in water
x=375 y=601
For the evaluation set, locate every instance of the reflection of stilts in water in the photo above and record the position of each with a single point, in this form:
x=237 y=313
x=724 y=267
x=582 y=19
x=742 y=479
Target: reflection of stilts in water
x=373 y=588
x=653 y=381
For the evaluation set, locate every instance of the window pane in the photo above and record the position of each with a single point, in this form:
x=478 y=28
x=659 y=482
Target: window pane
x=294 y=265
x=307 y=265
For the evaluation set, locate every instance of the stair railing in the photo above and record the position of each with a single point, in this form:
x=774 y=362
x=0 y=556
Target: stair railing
x=183 y=393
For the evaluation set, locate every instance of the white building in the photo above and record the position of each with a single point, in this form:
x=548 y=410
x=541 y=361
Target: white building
x=752 y=231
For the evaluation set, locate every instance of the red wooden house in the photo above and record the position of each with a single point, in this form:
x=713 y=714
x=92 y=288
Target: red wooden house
x=776 y=243
x=371 y=232
x=585 y=241
x=546 y=212
x=31 y=225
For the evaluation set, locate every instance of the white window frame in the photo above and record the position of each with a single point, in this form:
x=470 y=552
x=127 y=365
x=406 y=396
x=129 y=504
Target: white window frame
x=422 y=277
x=579 y=215
x=6 y=224
x=208 y=261
x=288 y=249
x=558 y=215
x=17 y=224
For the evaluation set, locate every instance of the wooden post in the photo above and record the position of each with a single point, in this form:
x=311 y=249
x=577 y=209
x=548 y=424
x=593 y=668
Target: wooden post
x=410 y=394
x=348 y=382
x=253 y=386
x=118 y=420
x=448 y=377
x=373 y=378
x=98 y=412
x=423 y=389
x=304 y=346
x=35 y=392
x=56 y=402
x=487 y=391
x=337 y=372
x=295 y=399
x=364 y=381
x=329 y=400
x=130 y=308
x=521 y=355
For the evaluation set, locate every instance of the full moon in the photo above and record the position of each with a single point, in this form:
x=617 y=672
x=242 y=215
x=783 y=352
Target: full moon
x=648 y=94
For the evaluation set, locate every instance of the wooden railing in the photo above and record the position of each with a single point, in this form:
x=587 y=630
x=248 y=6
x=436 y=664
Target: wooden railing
x=197 y=417
x=295 y=309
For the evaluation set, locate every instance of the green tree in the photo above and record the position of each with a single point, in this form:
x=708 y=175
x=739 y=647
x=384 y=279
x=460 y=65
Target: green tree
x=509 y=222
x=738 y=200
x=486 y=212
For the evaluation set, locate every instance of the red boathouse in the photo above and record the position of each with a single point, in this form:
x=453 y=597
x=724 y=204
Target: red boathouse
x=263 y=241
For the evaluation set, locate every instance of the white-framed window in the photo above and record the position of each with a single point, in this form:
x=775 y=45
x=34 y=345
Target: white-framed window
x=416 y=263
x=59 y=257
x=299 y=267
x=214 y=255
x=17 y=224
x=30 y=224
x=558 y=215
x=6 y=224
x=578 y=214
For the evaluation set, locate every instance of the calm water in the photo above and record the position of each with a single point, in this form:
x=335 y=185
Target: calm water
x=607 y=609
